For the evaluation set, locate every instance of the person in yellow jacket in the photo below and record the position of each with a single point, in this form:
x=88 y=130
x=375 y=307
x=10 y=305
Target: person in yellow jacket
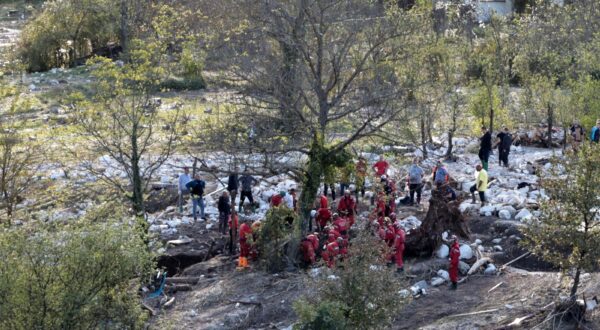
x=480 y=185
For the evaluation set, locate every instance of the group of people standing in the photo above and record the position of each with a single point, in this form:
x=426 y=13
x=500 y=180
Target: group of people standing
x=503 y=142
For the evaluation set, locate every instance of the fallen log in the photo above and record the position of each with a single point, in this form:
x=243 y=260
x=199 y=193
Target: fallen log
x=442 y=216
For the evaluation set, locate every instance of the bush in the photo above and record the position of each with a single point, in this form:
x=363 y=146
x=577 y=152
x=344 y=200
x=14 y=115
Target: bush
x=279 y=239
x=365 y=291
x=81 y=275
x=184 y=84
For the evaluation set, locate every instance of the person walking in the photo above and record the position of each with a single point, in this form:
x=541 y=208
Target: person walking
x=233 y=187
x=360 y=176
x=504 y=143
x=196 y=188
x=485 y=147
x=454 y=260
x=415 y=181
x=224 y=207
x=247 y=181
x=595 y=134
x=577 y=135
x=183 y=180
x=480 y=185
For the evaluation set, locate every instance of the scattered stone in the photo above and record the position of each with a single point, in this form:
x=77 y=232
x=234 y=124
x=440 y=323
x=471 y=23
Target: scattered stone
x=443 y=274
x=490 y=269
x=481 y=248
x=497 y=240
x=209 y=226
x=504 y=214
x=524 y=214
x=437 y=281
x=443 y=251
x=181 y=241
x=478 y=241
x=54 y=82
x=463 y=267
x=497 y=248
x=466 y=252
x=487 y=210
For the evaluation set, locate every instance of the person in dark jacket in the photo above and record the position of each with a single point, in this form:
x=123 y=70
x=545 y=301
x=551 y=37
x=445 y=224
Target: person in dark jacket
x=247 y=181
x=233 y=186
x=224 y=208
x=196 y=188
x=485 y=147
x=504 y=143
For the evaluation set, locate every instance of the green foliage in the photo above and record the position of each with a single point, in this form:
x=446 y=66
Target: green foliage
x=278 y=239
x=75 y=26
x=567 y=232
x=183 y=84
x=326 y=315
x=77 y=276
x=365 y=291
x=481 y=101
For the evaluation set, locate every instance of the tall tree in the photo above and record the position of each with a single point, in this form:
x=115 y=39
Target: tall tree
x=316 y=78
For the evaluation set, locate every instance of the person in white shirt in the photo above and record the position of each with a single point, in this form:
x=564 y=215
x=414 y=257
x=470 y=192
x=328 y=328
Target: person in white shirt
x=184 y=178
x=289 y=199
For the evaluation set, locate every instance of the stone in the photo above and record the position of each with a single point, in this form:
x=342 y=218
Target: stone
x=32 y=87
x=478 y=241
x=209 y=226
x=490 y=269
x=466 y=252
x=443 y=274
x=504 y=214
x=524 y=214
x=497 y=240
x=437 y=281
x=463 y=267
x=442 y=252
x=488 y=209
x=497 y=248
x=481 y=248
x=54 y=82
x=404 y=293
x=508 y=208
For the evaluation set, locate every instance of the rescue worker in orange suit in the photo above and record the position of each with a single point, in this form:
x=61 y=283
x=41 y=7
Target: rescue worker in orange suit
x=341 y=224
x=245 y=244
x=308 y=252
x=314 y=239
x=399 y=248
x=454 y=259
x=323 y=214
x=330 y=253
x=347 y=207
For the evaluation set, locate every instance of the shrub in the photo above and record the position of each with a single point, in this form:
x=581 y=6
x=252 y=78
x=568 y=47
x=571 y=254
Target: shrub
x=279 y=238
x=80 y=275
x=364 y=291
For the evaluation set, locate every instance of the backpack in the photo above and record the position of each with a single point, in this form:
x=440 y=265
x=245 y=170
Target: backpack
x=441 y=174
x=596 y=134
x=415 y=175
x=196 y=187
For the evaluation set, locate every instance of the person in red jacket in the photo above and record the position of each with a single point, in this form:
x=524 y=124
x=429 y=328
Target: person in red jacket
x=399 y=248
x=454 y=259
x=381 y=166
x=332 y=235
x=330 y=254
x=343 y=245
x=233 y=229
x=308 y=252
x=277 y=199
x=245 y=244
x=347 y=207
x=341 y=224
x=323 y=214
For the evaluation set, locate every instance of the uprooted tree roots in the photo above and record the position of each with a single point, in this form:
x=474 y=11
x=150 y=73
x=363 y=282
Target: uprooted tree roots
x=442 y=216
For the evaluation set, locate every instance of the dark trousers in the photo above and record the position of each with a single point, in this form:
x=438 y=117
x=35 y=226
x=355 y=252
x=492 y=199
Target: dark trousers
x=232 y=240
x=481 y=193
x=223 y=217
x=243 y=196
x=503 y=157
x=415 y=188
x=326 y=187
x=343 y=187
x=484 y=157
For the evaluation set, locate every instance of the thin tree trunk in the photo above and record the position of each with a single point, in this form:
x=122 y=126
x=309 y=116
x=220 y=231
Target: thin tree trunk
x=423 y=137
x=124 y=26
x=575 y=284
x=491 y=101
x=138 y=196
x=550 y=125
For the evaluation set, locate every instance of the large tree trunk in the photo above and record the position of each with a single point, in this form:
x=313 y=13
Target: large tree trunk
x=491 y=101
x=124 y=25
x=311 y=182
x=442 y=216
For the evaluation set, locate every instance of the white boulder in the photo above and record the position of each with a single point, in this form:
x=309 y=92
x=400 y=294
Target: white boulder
x=490 y=269
x=442 y=252
x=504 y=214
x=443 y=274
x=487 y=210
x=437 y=281
x=524 y=214
x=466 y=252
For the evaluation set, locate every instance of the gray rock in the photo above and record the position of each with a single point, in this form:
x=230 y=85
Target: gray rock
x=497 y=240
x=490 y=269
x=442 y=252
x=437 y=281
x=463 y=267
x=466 y=252
x=497 y=248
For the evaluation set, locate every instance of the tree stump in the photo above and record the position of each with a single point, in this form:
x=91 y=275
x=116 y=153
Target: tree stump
x=442 y=216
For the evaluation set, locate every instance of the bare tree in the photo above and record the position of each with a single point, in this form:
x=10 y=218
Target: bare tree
x=17 y=161
x=315 y=78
